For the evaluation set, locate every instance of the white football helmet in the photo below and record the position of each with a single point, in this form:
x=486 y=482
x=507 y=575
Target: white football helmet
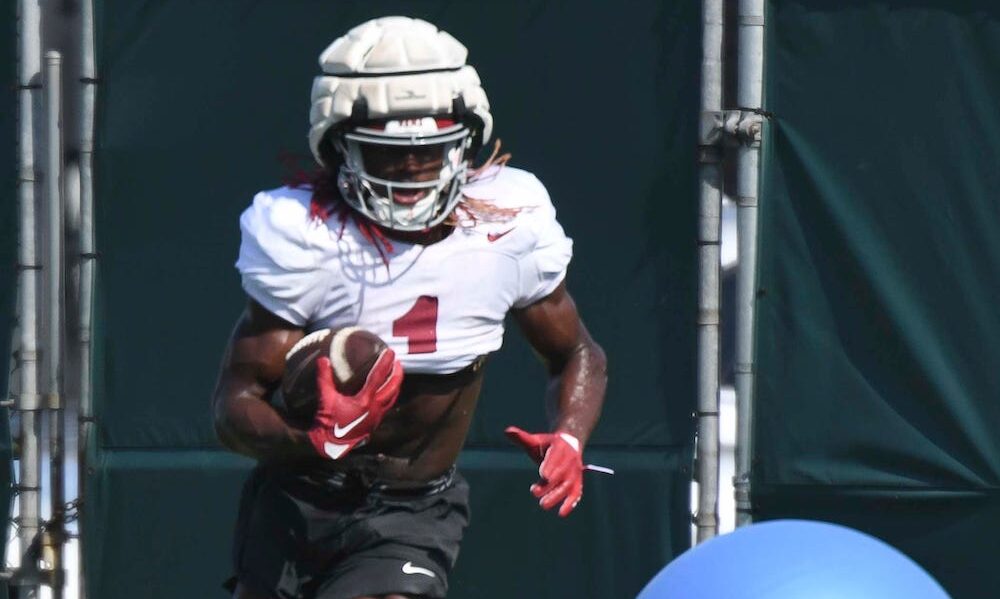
x=394 y=90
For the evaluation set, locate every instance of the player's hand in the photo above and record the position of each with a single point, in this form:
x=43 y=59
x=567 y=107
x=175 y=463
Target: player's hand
x=560 y=466
x=343 y=422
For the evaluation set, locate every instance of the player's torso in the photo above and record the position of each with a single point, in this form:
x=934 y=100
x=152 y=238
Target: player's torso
x=438 y=306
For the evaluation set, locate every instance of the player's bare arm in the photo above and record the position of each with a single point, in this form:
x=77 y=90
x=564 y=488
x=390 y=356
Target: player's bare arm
x=251 y=370
x=578 y=371
x=575 y=362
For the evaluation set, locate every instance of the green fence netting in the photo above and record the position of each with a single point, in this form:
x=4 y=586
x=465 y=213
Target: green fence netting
x=195 y=104
x=878 y=336
x=8 y=187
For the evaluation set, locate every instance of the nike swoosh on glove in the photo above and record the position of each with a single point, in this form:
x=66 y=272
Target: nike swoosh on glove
x=560 y=466
x=344 y=422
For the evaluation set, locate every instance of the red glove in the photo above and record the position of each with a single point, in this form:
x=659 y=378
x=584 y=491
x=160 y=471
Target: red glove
x=344 y=421
x=560 y=466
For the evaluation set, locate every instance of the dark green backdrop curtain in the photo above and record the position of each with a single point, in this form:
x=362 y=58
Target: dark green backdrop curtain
x=878 y=333
x=8 y=241
x=196 y=102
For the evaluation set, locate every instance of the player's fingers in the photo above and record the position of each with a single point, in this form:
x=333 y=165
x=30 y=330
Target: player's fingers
x=543 y=486
x=519 y=436
x=529 y=442
x=572 y=500
x=390 y=389
x=381 y=369
x=553 y=497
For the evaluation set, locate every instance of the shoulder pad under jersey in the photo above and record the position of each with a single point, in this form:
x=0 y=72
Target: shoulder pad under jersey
x=544 y=260
x=278 y=263
x=275 y=230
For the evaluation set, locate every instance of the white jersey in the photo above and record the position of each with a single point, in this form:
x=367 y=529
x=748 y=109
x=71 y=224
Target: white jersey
x=438 y=306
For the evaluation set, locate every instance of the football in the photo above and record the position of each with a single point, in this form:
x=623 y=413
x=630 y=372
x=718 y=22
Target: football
x=352 y=352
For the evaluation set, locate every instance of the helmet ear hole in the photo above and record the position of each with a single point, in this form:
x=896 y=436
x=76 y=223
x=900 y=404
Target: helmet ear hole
x=359 y=111
x=472 y=122
x=475 y=126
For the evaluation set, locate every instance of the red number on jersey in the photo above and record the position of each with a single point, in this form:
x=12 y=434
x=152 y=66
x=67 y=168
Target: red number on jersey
x=419 y=325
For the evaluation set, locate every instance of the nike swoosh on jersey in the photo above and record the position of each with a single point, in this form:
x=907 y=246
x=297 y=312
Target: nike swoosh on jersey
x=340 y=432
x=491 y=237
x=409 y=568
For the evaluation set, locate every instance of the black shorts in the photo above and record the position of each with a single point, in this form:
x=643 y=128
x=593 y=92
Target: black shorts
x=313 y=535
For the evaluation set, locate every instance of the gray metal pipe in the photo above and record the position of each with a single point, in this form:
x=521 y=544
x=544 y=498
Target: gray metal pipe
x=28 y=402
x=55 y=536
x=709 y=260
x=88 y=78
x=749 y=95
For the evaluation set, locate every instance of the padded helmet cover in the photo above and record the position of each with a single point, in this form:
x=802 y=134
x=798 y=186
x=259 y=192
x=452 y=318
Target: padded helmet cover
x=395 y=67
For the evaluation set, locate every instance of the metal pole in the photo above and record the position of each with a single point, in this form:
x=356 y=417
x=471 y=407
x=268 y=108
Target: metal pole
x=749 y=96
x=709 y=258
x=28 y=401
x=54 y=537
x=88 y=254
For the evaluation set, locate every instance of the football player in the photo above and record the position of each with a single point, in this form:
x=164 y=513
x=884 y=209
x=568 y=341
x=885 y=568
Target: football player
x=401 y=236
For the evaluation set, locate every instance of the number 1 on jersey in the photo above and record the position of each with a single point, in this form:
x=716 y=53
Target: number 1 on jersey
x=419 y=325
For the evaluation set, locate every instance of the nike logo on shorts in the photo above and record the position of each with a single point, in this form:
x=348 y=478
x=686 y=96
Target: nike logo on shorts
x=340 y=432
x=409 y=568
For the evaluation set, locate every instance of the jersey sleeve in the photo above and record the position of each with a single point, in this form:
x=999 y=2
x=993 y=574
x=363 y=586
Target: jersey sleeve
x=543 y=267
x=278 y=267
